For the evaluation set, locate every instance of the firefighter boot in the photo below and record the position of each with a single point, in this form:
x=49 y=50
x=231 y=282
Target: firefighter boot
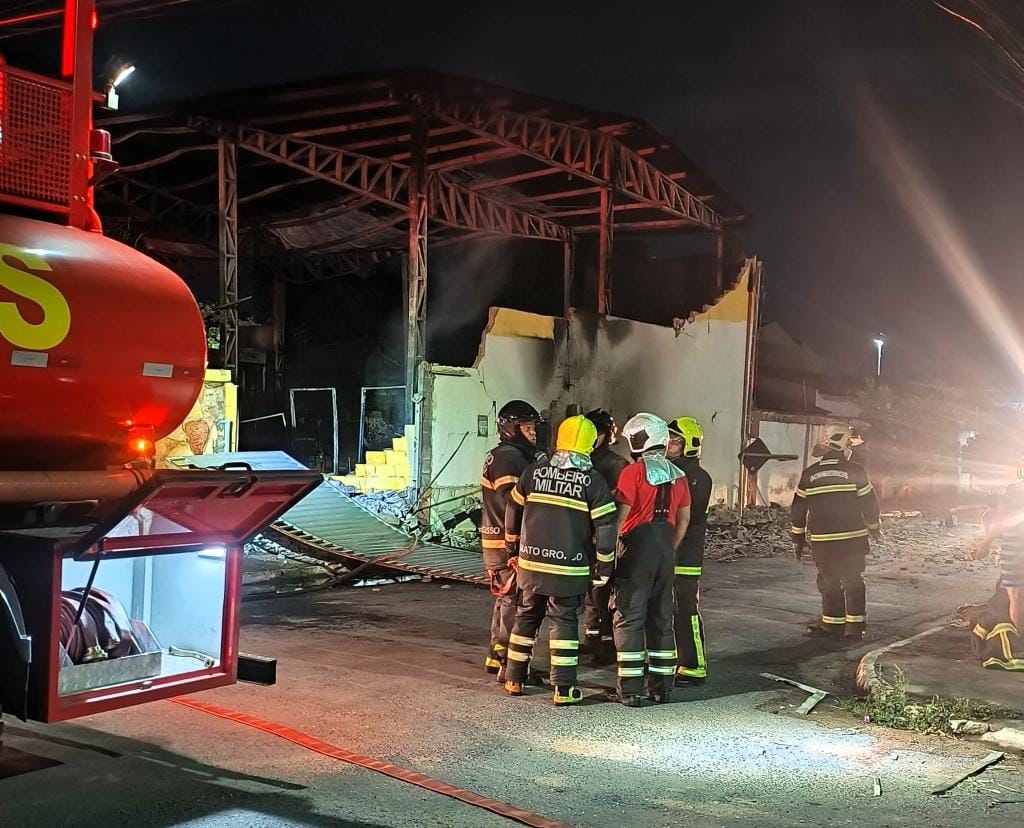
x=827 y=632
x=514 y=688
x=495 y=659
x=684 y=679
x=564 y=696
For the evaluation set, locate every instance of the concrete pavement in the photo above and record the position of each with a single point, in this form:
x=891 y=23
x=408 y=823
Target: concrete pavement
x=395 y=673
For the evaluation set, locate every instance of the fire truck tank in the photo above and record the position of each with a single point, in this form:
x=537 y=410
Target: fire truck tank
x=95 y=339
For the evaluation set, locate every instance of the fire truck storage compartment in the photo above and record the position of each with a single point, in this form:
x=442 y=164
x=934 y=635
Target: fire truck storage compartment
x=175 y=602
x=170 y=557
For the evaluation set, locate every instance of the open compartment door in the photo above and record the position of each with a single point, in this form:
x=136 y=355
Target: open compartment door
x=159 y=579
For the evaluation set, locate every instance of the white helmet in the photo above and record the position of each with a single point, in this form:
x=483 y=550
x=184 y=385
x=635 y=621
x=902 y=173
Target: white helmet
x=839 y=437
x=645 y=432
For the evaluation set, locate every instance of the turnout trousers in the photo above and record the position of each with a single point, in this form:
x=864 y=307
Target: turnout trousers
x=841 y=584
x=563 y=614
x=597 y=619
x=689 y=624
x=644 y=603
x=502 y=618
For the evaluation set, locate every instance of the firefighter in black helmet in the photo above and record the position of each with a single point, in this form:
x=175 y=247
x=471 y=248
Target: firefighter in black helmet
x=686 y=438
x=597 y=617
x=517 y=431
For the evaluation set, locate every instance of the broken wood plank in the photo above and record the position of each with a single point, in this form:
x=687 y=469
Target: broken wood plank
x=988 y=761
x=816 y=695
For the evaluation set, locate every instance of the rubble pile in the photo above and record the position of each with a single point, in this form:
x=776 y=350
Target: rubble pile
x=921 y=540
x=391 y=506
x=762 y=532
x=914 y=540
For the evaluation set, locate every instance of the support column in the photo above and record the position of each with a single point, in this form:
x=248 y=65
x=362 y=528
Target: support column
x=280 y=314
x=568 y=274
x=606 y=232
x=720 y=249
x=416 y=264
x=227 y=214
x=416 y=309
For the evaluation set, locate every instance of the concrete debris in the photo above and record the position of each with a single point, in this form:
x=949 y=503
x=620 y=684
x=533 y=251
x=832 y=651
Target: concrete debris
x=262 y=545
x=760 y=533
x=987 y=762
x=963 y=727
x=878 y=786
x=393 y=507
x=1008 y=737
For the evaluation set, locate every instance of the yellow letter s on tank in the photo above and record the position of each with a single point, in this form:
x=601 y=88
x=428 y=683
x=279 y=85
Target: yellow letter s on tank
x=56 y=321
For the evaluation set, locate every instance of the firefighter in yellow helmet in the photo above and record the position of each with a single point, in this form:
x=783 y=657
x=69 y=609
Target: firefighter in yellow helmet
x=835 y=509
x=560 y=526
x=686 y=440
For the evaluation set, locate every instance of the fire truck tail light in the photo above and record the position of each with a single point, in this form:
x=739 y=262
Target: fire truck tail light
x=140 y=443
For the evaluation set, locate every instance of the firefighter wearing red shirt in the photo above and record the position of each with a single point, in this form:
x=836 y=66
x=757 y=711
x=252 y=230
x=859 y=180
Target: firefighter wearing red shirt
x=654 y=510
x=517 y=429
x=560 y=523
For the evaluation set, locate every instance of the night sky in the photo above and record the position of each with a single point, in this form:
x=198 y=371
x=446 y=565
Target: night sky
x=770 y=97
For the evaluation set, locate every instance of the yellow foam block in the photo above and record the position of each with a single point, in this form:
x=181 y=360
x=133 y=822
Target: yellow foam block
x=400 y=444
x=399 y=459
x=360 y=469
x=376 y=458
x=388 y=471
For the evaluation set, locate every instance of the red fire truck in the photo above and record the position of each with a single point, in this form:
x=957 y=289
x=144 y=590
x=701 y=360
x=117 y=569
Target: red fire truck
x=119 y=582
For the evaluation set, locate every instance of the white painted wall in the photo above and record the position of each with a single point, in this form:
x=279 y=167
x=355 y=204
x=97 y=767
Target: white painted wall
x=622 y=365
x=777 y=481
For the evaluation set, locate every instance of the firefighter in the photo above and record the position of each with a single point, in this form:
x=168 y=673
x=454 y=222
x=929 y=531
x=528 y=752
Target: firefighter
x=1001 y=644
x=654 y=510
x=597 y=616
x=560 y=523
x=835 y=509
x=686 y=438
x=517 y=449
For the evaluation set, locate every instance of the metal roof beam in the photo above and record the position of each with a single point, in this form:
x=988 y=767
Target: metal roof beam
x=161 y=206
x=625 y=226
x=388 y=182
x=582 y=152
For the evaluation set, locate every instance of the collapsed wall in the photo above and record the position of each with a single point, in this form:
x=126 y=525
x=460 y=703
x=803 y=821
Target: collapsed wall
x=694 y=369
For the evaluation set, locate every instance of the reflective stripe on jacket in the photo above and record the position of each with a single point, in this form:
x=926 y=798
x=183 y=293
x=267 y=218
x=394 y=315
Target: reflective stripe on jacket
x=835 y=501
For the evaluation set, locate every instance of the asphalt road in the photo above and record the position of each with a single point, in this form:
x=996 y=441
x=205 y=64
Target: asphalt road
x=395 y=673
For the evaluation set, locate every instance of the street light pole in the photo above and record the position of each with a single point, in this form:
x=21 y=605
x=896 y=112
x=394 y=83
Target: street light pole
x=879 y=344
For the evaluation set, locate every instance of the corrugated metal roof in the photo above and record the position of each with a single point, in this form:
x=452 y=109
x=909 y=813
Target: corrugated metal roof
x=330 y=522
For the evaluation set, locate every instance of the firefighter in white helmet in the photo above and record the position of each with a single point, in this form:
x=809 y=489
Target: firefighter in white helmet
x=835 y=509
x=654 y=510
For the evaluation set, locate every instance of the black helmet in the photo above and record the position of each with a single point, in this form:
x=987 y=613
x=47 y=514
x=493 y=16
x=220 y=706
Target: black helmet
x=511 y=415
x=605 y=424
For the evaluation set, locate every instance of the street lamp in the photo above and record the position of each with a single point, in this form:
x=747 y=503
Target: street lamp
x=120 y=76
x=879 y=344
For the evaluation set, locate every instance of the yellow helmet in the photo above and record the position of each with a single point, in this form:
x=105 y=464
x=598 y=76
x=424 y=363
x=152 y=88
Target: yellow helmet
x=576 y=434
x=690 y=432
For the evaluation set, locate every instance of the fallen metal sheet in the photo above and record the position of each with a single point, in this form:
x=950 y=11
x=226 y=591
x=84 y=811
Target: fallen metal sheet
x=988 y=761
x=812 y=700
x=329 y=525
